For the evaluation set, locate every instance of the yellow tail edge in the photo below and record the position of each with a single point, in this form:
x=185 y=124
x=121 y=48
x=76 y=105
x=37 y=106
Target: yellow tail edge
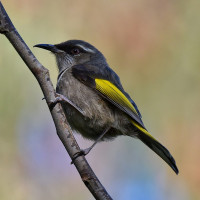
x=142 y=129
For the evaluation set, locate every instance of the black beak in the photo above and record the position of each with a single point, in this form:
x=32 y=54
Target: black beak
x=48 y=47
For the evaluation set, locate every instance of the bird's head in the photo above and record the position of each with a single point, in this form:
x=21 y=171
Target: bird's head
x=73 y=52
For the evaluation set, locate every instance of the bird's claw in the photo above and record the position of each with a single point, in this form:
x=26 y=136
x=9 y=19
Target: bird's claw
x=52 y=103
x=62 y=99
x=82 y=152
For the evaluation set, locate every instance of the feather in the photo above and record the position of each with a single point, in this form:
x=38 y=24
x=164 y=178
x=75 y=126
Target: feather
x=158 y=148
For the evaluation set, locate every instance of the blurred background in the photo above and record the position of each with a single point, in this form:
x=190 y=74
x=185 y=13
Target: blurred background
x=154 y=47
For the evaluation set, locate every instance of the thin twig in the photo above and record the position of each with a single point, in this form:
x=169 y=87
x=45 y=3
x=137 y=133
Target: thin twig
x=63 y=129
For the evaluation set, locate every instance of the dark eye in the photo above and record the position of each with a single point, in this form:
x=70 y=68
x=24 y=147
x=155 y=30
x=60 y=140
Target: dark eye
x=75 y=51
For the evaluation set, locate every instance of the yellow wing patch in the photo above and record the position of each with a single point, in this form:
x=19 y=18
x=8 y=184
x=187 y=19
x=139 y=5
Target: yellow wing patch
x=110 y=90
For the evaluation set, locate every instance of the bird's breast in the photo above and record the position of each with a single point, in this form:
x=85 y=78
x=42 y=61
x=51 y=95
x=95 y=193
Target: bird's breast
x=97 y=113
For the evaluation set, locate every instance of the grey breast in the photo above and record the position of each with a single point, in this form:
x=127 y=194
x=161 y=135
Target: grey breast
x=97 y=113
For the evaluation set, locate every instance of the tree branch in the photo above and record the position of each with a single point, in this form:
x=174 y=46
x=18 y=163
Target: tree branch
x=63 y=129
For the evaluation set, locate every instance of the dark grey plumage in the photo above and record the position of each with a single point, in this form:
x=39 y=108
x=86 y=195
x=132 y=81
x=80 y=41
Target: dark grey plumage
x=80 y=64
x=98 y=114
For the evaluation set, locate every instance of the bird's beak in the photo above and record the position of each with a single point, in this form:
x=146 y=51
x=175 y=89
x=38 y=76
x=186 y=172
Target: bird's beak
x=48 y=47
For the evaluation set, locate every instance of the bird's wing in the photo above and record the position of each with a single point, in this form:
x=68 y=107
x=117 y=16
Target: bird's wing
x=108 y=90
x=115 y=94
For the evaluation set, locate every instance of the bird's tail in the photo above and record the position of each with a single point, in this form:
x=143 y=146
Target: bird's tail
x=158 y=148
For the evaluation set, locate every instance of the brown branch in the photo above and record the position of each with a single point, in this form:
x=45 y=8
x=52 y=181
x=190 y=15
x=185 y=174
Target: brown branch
x=63 y=129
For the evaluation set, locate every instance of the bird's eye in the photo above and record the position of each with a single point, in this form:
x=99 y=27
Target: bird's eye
x=75 y=51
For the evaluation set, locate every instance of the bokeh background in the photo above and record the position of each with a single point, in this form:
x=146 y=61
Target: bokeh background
x=154 y=46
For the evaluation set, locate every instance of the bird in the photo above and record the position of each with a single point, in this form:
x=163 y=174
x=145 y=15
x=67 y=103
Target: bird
x=94 y=100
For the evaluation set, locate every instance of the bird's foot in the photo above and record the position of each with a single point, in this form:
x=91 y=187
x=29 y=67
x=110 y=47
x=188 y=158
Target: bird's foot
x=62 y=99
x=82 y=152
x=52 y=103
